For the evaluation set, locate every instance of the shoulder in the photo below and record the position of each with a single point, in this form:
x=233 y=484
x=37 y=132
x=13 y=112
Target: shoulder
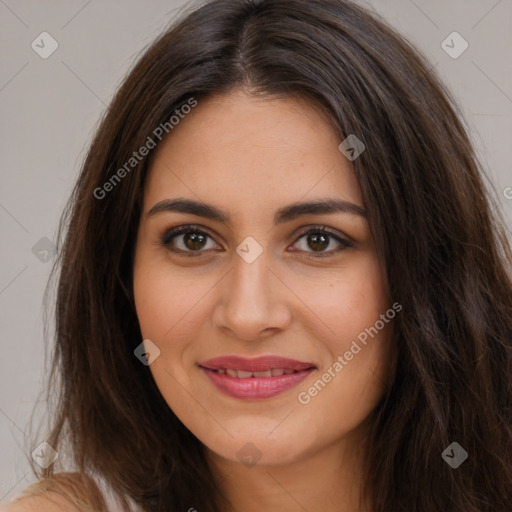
x=68 y=492
x=45 y=502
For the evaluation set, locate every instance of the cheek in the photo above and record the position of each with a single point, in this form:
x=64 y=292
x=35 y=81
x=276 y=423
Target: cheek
x=356 y=369
x=345 y=301
x=151 y=302
x=165 y=300
x=167 y=313
x=350 y=324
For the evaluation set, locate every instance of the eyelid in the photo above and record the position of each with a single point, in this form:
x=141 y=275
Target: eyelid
x=339 y=235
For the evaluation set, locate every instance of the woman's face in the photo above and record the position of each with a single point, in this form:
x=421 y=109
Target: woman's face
x=244 y=280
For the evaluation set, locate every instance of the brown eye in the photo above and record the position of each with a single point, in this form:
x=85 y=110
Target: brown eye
x=186 y=239
x=317 y=240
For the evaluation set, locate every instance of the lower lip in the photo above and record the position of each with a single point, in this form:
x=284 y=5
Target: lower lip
x=253 y=388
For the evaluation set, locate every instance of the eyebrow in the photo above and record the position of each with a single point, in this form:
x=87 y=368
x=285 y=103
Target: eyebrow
x=284 y=214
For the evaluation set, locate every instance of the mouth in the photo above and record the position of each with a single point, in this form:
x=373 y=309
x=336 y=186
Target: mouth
x=243 y=374
x=257 y=378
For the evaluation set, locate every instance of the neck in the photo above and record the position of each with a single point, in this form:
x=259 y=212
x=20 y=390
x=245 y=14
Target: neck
x=328 y=479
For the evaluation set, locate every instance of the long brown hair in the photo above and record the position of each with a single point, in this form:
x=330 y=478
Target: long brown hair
x=437 y=230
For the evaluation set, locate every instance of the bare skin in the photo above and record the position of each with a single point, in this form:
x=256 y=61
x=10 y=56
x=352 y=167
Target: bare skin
x=46 y=502
x=250 y=157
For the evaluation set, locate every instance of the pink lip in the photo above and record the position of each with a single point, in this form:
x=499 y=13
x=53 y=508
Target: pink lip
x=253 y=388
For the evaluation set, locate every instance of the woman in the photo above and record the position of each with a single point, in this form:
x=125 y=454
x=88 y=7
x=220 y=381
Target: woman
x=282 y=285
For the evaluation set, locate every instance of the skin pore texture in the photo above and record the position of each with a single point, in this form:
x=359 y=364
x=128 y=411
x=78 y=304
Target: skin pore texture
x=251 y=157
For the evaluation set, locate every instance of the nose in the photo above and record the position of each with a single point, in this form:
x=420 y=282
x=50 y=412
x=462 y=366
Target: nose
x=252 y=302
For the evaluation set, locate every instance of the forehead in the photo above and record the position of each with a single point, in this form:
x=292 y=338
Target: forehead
x=251 y=152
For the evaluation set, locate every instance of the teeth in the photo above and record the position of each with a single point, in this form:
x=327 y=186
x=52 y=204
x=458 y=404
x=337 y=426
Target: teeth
x=243 y=374
x=267 y=373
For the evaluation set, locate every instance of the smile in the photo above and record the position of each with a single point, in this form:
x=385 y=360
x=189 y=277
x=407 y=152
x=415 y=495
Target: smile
x=243 y=374
x=255 y=379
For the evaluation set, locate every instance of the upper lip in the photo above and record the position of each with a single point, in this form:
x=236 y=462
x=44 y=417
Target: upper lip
x=257 y=364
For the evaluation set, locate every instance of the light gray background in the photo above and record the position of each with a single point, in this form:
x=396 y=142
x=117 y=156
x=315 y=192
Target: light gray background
x=50 y=107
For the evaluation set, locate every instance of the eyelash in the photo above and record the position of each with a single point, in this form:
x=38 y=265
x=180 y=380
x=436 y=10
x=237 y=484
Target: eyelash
x=180 y=230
